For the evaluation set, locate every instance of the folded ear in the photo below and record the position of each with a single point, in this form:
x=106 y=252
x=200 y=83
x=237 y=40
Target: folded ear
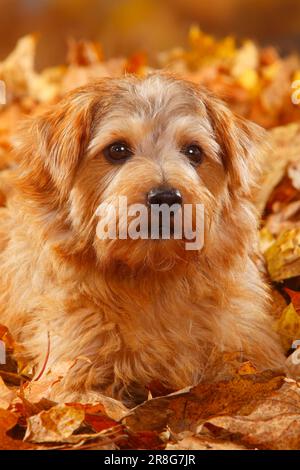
x=50 y=146
x=242 y=143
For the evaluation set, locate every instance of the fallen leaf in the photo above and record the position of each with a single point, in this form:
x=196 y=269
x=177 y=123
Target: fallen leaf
x=8 y=421
x=37 y=390
x=273 y=424
x=284 y=148
x=17 y=70
x=283 y=256
x=54 y=425
x=6 y=395
x=186 y=410
x=95 y=416
x=142 y=440
x=266 y=239
x=288 y=326
x=203 y=443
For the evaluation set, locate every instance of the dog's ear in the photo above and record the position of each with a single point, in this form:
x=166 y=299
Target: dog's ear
x=242 y=144
x=50 y=146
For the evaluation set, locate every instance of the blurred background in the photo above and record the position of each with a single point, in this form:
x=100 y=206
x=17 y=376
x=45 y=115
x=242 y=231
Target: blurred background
x=126 y=26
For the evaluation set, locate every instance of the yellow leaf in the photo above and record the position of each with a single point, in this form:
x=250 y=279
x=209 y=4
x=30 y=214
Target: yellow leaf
x=246 y=59
x=249 y=80
x=54 y=425
x=269 y=72
x=266 y=239
x=296 y=75
x=283 y=256
x=288 y=326
x=17 y=70
x=194 y=33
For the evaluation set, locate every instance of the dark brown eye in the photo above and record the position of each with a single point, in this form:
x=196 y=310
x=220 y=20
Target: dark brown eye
x=118 y=152
x=194 y=153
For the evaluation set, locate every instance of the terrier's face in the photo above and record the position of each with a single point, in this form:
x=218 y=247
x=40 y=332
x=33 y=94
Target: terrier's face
x=156 y=140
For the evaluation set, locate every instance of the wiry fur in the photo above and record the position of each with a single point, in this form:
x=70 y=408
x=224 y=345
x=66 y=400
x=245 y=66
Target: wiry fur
x=132 y=311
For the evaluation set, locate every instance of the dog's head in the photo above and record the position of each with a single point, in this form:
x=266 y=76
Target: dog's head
x=152 y=141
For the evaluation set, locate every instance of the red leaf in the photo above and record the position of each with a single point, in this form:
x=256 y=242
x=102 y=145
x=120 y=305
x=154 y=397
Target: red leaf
x=295 y=298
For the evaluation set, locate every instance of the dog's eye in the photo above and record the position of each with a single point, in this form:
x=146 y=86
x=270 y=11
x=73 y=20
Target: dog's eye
x=194 y=152
x=117 y=152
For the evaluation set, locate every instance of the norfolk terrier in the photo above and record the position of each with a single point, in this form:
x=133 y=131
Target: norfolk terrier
x=132 y=310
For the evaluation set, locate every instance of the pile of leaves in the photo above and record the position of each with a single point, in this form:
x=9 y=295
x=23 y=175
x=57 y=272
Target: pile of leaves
x=255 y=82
x=242 y=408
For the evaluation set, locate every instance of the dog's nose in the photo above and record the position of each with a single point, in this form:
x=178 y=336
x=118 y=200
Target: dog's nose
x=167 y=196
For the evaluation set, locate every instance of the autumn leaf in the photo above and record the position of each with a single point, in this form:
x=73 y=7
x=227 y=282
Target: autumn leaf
x=6 y=395
x=54 y=425
x=186 y=410
x=8 y=421
x=273 y=423
x=95 y=416
x=283 y=256
x=17 y=70
x=196 y=442
x=136 y=63
x=288 y=326
x=84 y=53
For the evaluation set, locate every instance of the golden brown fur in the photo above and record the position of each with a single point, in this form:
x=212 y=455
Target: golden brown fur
x=133 y=311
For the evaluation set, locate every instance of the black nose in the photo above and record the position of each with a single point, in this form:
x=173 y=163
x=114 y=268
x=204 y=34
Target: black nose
x=167 y=196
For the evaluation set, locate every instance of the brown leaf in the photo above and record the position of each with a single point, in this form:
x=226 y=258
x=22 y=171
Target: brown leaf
x=114 y=409
x=273 y=424
x=7 y=422
x=142 y=440
x=203 y=443
x=186 y=410
x=95 y=416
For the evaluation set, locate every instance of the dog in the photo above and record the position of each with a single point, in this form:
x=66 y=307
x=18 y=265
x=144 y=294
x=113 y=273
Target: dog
x=132 y=311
